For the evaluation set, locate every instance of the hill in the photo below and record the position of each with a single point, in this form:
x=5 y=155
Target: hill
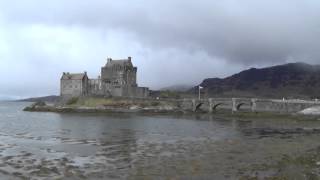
x=177 y=88
x=293 y=80
x=51 y=99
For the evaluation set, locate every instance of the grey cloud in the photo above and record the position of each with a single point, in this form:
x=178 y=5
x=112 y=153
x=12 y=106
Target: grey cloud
x=245 y=31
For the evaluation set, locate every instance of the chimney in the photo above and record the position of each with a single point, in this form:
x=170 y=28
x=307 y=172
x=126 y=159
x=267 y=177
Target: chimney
x=129 y=58
x=109 y=59
x=85 y=72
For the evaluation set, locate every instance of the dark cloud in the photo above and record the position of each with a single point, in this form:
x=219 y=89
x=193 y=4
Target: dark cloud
x=193 y=39
x=239 y=31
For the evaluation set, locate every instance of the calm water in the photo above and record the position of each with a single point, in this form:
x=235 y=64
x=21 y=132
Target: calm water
x=122 y=146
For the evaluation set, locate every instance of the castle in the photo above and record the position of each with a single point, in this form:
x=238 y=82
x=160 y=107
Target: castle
x=118 y=78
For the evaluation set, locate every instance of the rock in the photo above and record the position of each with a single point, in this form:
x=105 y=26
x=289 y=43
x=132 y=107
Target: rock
x=35 y=105
x=39 y=103
x=28 y=108
x=134 y=108
x=168 y=108
x=311 y=111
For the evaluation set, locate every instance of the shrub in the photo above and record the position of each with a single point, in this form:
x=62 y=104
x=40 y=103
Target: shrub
x=72 y=100
x=39 y=103
x=154 y=103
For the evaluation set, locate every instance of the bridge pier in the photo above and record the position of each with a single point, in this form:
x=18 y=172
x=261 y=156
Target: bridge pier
x=211 y=105
x=234 y=105
x=253 y=105
x=194 y=105
x=286 y=106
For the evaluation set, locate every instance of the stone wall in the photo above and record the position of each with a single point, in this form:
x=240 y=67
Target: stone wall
x=72 y=88
x=245 y=104
x=95 y=87
x=119 y=75
x=98 y=88
x=283 y=106
x=141 y=92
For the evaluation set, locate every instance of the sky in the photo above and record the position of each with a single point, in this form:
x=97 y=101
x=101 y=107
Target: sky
x=173 y=42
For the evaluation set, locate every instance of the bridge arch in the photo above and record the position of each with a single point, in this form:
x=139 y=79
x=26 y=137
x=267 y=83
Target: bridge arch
x=239 y=105
x=198 y=106
x=216 y=106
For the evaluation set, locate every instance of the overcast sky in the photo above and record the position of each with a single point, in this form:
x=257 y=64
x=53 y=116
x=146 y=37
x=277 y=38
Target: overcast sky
x=171 y=41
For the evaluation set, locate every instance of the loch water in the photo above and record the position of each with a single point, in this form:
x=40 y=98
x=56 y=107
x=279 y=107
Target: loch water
x=41 y=145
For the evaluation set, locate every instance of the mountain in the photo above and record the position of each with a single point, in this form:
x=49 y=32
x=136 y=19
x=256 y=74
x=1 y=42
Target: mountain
x=293 y=80
x=51 y=99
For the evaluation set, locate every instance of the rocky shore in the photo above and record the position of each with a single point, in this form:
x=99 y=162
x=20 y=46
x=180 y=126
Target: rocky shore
x=114 y=106
x=311 y=111
x=65 y=109
x=122 y=105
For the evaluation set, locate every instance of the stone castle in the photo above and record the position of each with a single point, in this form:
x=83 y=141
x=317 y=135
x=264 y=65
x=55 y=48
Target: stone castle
x=118 y=78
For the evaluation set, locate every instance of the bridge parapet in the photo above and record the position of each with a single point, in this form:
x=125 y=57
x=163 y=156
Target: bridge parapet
x=284 y=106
x=246 y=104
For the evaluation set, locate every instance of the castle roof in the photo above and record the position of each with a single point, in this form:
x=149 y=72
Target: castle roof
x=73 y=76
x=120 y=62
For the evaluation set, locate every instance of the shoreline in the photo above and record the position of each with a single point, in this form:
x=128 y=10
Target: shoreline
x=184 y=106
x=221 y=113
x=87 y=109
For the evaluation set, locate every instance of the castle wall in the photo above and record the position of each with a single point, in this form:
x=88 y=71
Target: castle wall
x=119 y=75
x=133 y=91
x=95 y=87
x=117 y=91
x=71 y=88
x=107 y=74
x=141 y=92
x=131 y=76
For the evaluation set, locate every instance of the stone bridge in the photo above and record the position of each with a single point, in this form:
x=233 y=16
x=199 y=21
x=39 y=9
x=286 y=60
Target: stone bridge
x=245 y=104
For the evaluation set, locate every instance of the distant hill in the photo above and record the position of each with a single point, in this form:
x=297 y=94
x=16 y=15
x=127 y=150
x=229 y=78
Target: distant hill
x=179 y=88
x=293 y=80
x=52 y=98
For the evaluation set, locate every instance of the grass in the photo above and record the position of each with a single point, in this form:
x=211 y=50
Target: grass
x=72 y=100
x=114 y=102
